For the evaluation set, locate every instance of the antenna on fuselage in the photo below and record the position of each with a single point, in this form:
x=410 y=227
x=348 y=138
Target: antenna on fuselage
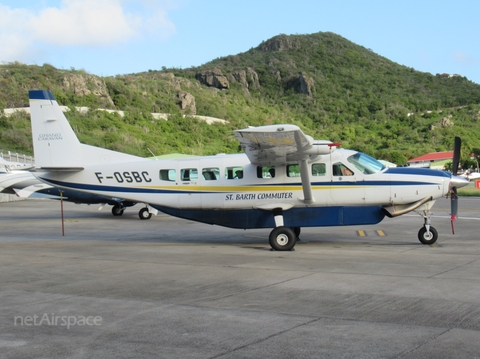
x=152 y=153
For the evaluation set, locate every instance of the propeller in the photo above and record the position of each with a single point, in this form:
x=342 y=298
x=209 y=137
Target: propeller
x=453 y=196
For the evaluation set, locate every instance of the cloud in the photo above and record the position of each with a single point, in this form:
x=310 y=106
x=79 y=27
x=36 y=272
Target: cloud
x=84 y=22
x=13 y=43
x=464 y=59
x=89 y=23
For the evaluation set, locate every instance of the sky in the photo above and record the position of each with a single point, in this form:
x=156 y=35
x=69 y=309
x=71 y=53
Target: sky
x=115 y=37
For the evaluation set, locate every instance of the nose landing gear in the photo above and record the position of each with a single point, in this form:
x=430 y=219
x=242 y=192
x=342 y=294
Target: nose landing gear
x=427 y=234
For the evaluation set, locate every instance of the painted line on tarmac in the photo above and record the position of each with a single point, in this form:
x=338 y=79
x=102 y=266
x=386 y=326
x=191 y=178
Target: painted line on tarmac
x=378 y=232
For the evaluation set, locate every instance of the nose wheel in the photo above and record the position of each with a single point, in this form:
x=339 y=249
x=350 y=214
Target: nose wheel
x=427 y=235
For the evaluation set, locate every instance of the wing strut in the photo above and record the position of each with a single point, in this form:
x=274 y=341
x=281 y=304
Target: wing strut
x=306 y=184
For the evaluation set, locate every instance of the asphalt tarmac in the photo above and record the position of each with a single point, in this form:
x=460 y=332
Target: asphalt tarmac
x=121 y=287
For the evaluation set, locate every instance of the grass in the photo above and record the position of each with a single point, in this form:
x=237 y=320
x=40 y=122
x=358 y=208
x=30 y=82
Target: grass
x=469 y=191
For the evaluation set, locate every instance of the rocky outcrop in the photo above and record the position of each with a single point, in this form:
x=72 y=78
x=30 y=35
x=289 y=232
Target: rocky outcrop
x=247 y=78
x=444 y=122
x=187 y=102
x=213 y=78
x=307 y=84
x=277 y=75
x=84 y=85
x=302 y=84
x=280 y=43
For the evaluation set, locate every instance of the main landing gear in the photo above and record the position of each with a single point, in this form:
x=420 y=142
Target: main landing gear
x=282 y=238
x=144 y=213
x=117 y=210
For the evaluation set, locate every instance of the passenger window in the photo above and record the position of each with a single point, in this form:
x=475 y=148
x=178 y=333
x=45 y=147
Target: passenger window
x=266 y=171
x=293 y=170
x=339 y=169
x=168 y=175
x=210 y=174
x=234 y=173
x=189 y=174
x=319 y=169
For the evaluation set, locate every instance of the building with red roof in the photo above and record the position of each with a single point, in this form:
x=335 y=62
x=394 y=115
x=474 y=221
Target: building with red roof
x=432 y=160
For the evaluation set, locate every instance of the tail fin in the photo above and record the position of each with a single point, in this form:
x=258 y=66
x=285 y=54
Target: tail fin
x=55 y=144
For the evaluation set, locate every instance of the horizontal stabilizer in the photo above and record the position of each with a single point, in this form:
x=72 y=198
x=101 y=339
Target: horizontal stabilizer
x=63 y=169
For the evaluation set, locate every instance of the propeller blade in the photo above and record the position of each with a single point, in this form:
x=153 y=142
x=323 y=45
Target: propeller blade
x=453 y=195
x=456 y=155
x=454 y=207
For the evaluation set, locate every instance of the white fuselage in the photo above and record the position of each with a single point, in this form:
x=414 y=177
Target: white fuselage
x=184 y=184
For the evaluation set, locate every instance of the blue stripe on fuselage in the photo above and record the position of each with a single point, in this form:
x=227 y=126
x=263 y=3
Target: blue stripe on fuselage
x=97 y=187
x=417 y=171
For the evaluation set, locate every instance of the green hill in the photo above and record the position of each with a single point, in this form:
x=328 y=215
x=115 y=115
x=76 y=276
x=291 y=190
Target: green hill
x=329 y=86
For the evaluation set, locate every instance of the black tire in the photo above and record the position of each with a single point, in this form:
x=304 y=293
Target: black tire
x=117 y=210
x=297 y=231
x=282 y=238
x=144 y=213
x=427 y=238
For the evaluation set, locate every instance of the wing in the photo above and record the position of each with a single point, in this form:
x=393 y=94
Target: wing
x=280 y=144
x=283 y=144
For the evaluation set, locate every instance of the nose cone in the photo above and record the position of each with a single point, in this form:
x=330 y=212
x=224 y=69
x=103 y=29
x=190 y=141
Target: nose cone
x=458 y=182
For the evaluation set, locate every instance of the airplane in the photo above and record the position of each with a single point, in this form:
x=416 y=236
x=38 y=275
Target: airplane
x=11 y=165
x=285 y=180
x=471 y=176
x=15 y=179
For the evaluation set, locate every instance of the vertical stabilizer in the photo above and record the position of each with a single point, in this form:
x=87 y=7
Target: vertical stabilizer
x=54 y=142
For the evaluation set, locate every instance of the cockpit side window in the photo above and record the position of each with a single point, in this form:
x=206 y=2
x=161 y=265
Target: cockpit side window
x=339 y=169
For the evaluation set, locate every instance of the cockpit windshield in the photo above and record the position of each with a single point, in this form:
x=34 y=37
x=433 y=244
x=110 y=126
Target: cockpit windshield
x=365 y=163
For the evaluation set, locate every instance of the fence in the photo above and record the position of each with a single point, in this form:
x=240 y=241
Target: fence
x=15 y=157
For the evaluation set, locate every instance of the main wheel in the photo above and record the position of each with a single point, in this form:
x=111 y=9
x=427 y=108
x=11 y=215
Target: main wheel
x=117 y=210
x=144 y=213
x=297 y=231
x=282 y=238
x=427 y=237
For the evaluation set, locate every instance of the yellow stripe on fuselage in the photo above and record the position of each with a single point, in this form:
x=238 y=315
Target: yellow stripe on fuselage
x=249 y=188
